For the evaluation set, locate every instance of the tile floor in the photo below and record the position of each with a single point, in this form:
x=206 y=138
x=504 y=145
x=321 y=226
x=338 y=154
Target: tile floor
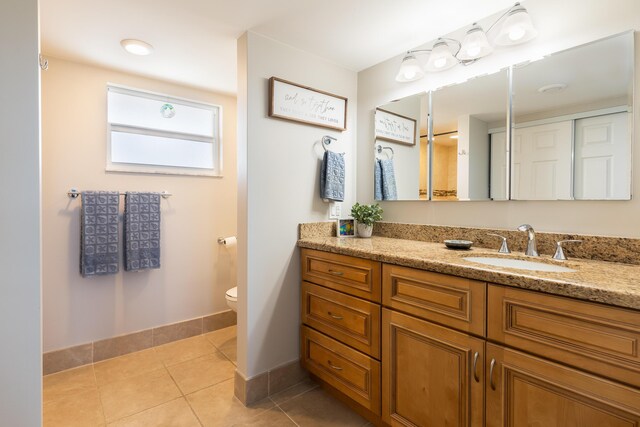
x=183 y=383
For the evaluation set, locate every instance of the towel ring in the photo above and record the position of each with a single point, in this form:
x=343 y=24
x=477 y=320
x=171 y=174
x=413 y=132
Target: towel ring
x=326 y=140
x=379 y=149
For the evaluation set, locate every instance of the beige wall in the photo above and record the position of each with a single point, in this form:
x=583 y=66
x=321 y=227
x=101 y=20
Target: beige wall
x=279 y=162
x=195 y=270
x=561 y=25
x=20 y=238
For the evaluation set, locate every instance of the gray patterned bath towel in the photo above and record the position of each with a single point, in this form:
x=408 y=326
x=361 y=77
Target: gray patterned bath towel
x=99 y=248
x=141 y=231
x=332 y=173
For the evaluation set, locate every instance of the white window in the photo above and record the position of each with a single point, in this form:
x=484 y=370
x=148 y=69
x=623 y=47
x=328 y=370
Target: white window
x=154 y=133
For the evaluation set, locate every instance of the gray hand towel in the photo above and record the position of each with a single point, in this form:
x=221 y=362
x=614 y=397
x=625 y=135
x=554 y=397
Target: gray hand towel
x=377 y=180
x=141 y=231
x=99 y=249
x=389 y=191
x=332 y=176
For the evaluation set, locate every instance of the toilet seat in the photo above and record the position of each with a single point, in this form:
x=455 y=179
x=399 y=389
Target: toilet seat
x=232 y=294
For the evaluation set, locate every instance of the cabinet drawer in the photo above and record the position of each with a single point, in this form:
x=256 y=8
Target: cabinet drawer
x=351 y=320
x=448 y=300
x=349 y=371
x=354 y=276
x=594 y=337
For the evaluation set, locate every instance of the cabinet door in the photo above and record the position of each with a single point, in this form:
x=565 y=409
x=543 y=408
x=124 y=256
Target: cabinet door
x=428 y=375
x=524 y=390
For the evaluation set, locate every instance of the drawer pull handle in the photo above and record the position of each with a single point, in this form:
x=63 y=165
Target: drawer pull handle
x=336 y=273
x=337 y=368
x=335 y=316
x=491 y=383
x=475 y=367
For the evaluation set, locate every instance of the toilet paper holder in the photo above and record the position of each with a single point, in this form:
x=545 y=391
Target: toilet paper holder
x=223 y=240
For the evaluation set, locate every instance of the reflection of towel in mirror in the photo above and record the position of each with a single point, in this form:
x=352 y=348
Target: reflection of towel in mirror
x=332 y=176
x=377 y=179
x=388 y=180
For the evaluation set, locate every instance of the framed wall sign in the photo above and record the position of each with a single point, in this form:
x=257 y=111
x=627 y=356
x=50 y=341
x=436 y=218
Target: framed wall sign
x=393 y=127
x=291 y=101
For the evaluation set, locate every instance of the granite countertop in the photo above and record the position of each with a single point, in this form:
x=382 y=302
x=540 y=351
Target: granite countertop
x=606 y=282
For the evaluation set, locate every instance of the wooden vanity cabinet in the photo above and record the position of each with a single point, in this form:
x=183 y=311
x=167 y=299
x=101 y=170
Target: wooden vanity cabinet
x=449 y=351
x=340 y=332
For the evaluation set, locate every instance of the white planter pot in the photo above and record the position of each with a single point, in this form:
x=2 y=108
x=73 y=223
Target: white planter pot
x=364 y=230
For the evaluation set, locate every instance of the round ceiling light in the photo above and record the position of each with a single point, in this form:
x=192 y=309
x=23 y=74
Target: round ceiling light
x=552 y=88
x=136 y=47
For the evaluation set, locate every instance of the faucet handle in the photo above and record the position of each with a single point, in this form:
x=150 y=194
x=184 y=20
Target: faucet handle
x=559 y=255
x=504 y=248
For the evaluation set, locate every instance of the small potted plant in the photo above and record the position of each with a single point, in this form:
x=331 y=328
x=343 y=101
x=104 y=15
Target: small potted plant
x=365 y=216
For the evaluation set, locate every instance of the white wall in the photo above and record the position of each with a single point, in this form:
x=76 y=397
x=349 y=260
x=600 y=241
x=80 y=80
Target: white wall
x=561 y=25
x=278 y=189
x=20 y=242
x=195 y=271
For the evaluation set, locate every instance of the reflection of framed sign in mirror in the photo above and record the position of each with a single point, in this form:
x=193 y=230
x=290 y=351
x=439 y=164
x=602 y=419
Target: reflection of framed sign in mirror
x=393 y=127
x=297 y=103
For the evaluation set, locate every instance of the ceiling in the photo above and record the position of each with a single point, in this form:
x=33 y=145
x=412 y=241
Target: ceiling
x=195 y=40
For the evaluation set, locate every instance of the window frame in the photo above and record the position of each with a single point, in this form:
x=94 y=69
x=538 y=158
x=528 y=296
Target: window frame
x=215 y=140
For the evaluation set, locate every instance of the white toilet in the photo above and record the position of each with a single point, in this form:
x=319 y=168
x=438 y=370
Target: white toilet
x=232 y=298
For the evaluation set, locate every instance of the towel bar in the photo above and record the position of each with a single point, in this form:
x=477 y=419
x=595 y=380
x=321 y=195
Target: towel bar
x=74 y=194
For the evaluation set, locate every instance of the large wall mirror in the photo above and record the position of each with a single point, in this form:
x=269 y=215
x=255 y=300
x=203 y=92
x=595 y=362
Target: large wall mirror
x=570 y=139
x=572 y=132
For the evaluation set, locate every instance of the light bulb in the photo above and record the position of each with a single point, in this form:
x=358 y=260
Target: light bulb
x=473 y=50
x=136 y=47
x=440 y=62
x=516 y=33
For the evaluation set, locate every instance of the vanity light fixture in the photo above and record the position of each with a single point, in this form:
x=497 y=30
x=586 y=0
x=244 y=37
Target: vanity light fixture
x=136 y=47
x=516 y=28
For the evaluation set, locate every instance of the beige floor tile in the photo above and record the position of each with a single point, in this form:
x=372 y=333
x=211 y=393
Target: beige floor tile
x=270 y=418
x=222 y=336
x=196 y=374
x=230 y=350
x=82 y=409
x=294 y=391
x=135 y=394
x=317 y=408
x=68 y=383
x=176 y=413
x=183 y=350
x=127 y=366
x=216 y=406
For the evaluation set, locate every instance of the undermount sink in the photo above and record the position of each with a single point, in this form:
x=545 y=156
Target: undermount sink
x=519 y=264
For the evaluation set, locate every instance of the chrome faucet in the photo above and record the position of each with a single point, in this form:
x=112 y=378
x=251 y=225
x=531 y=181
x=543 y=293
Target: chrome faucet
x=531 y=242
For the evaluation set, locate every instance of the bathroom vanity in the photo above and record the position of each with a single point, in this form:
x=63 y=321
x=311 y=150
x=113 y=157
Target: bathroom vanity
x=411 y=334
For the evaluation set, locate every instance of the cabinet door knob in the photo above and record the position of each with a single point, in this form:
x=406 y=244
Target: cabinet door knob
x=336 y=273
x=337 y=368
x=475 y=367
x=335 y=316
x=491 y=383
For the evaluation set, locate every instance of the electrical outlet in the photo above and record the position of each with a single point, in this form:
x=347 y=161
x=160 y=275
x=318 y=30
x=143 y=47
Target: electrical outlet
x=335 y=210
